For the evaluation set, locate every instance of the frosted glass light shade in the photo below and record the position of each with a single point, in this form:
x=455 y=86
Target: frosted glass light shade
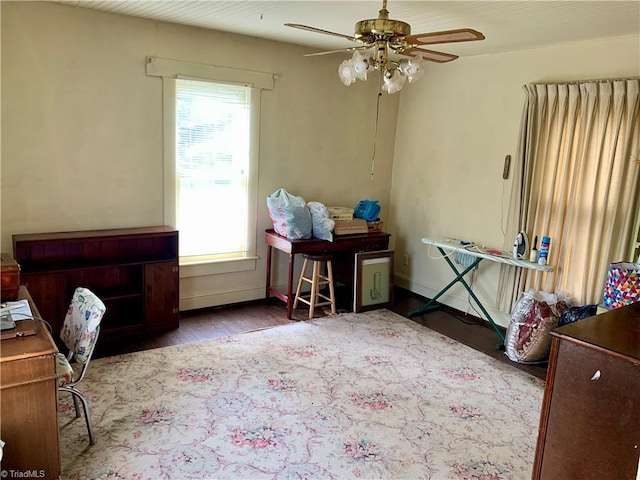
x=413 y=69
x=347 y=72
x=393 y=80
x=360 y=65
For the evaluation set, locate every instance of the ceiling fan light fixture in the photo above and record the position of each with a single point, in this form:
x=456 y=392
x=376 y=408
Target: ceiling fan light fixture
x=413 y=69
x=354 y=69
x=347 y=73
x=384 y=36
x=360 y=65
x=392 y=80
x=394 y=73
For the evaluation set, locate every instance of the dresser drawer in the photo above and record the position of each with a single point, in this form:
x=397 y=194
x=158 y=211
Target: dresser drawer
x=593 y=414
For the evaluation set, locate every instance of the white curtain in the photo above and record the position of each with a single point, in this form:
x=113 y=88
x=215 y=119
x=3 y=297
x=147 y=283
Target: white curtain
x=576 y=180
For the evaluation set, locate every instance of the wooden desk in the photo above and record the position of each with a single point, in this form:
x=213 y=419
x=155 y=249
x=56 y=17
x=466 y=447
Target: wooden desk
x=343 y=247
x=590 y=421
x=29 y=403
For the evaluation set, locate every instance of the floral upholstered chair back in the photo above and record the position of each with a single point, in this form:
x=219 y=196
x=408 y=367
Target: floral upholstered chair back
x=82 y=324
x=79 y=333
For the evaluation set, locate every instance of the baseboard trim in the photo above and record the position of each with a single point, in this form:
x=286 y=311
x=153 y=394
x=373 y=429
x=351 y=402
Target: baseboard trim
x=460 y=304
x=400 y=291
x=220 y=298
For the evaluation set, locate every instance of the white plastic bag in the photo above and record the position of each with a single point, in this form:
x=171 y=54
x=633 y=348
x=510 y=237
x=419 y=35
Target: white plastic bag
x=290 y=215
x=322 y=223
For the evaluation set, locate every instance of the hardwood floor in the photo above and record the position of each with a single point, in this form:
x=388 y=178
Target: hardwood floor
x=240 y=318
x=467 y=329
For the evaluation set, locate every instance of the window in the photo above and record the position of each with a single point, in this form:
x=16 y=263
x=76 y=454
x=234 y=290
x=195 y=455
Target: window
x=213 y=135
x=211 y=131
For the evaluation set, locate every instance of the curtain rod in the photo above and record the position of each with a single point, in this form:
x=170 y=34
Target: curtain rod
x=577 y=82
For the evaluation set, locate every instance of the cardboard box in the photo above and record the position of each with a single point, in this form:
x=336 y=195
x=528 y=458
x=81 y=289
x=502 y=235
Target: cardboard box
x=375 y=226
x=10 y=277
x=340 y=213
x=346 y=227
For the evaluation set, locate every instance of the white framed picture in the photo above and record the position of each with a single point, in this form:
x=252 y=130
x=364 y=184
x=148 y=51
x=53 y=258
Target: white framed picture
x=373 y=282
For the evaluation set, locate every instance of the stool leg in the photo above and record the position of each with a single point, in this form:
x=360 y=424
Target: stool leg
x=331 y=291
x=304 y=269
x=314 y=288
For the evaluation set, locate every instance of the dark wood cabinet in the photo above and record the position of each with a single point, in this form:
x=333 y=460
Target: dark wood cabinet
x=133 y=270
x=160 y=296
x=590 y=421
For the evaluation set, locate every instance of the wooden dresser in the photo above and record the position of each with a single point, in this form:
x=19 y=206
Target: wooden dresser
x=590 y=421
x=28 y=404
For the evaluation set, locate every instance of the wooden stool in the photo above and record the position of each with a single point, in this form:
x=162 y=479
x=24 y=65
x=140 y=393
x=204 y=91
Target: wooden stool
x=316 y=280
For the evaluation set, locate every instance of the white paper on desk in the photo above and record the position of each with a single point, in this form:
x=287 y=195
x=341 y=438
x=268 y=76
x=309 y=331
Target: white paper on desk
x=19 y=310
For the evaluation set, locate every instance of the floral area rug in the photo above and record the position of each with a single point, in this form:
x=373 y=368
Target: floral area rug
x=370 y=395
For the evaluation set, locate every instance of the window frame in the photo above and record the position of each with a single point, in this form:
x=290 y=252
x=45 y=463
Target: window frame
x=170 y=70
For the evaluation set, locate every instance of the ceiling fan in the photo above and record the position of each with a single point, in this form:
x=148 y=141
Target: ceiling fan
x=385 y=36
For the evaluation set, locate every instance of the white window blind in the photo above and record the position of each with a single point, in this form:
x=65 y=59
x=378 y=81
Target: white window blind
x=213 y=139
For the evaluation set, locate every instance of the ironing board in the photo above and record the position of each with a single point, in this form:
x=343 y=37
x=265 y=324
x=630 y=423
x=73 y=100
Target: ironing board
x=479 y=254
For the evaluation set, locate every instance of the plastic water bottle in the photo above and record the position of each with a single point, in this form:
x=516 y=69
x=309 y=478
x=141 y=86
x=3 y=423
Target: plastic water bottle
x=543 y=253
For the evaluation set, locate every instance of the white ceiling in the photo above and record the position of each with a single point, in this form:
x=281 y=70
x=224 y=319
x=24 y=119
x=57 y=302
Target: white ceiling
x=507 y=25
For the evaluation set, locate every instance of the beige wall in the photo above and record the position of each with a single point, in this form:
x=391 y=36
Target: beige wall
x=455 y=127
x=82 y=128
x=82 y=136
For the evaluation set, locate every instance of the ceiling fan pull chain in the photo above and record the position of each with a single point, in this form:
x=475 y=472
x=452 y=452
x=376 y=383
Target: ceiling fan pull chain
x=375 y=129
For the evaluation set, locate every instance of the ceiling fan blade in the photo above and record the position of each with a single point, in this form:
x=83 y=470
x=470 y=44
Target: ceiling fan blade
x=318 y=30
x=350 y=49
x=429 y=55
x=448 y=36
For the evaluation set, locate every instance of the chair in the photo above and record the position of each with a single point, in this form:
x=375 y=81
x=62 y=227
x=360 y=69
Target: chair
x=316 y=280
x=79 y=333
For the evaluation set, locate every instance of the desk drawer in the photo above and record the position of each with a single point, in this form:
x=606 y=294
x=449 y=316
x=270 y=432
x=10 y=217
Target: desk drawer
x=27 y=370
x=373 y=244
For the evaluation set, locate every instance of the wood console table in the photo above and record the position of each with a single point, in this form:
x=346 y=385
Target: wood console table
x=343 y=248
x=29 y=403
x=590 y=421
x=134 y=271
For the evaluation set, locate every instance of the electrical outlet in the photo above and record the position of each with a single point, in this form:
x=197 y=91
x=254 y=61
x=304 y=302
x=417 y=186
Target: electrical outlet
x=405 y=259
